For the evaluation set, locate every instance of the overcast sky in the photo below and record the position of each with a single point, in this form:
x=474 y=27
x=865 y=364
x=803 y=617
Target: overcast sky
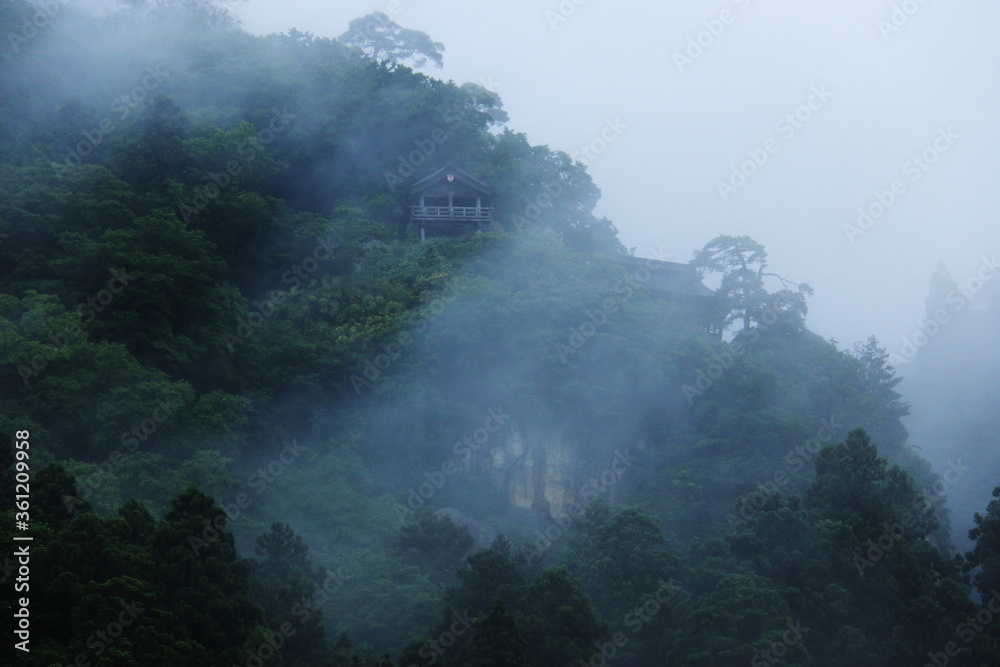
x=882 y=88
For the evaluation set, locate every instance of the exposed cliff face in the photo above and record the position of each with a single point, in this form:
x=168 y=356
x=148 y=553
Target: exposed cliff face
x=538 y=470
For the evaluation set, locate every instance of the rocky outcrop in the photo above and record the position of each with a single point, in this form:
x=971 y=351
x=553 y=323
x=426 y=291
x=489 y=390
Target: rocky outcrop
x=537 y=470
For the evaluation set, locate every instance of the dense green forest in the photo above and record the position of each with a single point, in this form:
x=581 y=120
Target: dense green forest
x=267 y=425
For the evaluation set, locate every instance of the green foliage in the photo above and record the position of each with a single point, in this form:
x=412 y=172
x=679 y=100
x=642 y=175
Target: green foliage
x=382 y=39
x=377 y=599
x=495 y=641
x=129 y=588
x=730 y=624
x=436 y=544
x=490 y=574
x=985 y=557
x=558 y=619
x=619 y=558
x=226 y=269
x=742 y=261
x=281 y=577
x=852 y=563
x=627 y=567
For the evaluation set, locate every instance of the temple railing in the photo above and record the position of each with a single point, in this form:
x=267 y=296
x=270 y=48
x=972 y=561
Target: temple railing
x=451 y=213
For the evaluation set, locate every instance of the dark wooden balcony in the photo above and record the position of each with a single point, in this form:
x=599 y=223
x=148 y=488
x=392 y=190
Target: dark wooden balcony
x=434 y=213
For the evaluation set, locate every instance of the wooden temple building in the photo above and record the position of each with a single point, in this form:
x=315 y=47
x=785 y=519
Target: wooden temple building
x=450 y=202
x=681 y=285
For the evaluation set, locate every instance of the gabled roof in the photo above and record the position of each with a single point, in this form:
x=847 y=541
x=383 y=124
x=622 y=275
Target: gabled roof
x=670 y=277
x=460 y=175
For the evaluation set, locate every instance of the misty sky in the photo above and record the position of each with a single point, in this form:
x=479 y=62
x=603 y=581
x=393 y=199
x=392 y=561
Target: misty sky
x=879 y=97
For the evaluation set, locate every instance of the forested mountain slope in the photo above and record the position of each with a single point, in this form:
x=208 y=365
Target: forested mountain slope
x=275 y=428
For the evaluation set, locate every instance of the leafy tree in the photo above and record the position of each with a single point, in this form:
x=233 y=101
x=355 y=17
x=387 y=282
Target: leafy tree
x=435 y=543
x=626 y=565
x=259 y=199
x=490 y=574
x=984 y=558
x=546 y=189
x=855 y=485
x=155 y=152
x=170 y=308
x=107 y=589
x=54 y=501
x=557 y=619
x=880 y=522
x=741 y=261
x=878 y=377
x=877 y=403
x=785 y=309
x=481 y=99
x=281 y=577
x=211 y=15
x=196 y=561
x=733 y=623
x=495 y=641
x=377 y=599
x=621 y=558
x=380 y=38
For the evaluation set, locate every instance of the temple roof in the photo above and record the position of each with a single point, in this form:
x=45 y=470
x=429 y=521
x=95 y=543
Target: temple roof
x=669 y=277
x=459 y=174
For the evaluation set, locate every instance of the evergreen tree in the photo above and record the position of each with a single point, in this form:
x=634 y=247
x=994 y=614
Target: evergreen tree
x=557 y=619
x=495 y=641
